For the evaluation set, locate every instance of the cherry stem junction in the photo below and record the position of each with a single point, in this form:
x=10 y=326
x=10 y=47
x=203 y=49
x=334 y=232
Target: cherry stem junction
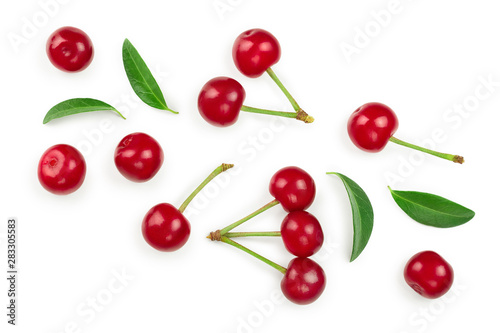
x=253 y=234
x=246 y=218
x=273 y=76
x=221 y=168
x=254 y=254
x=449 y=157
x=300 y=115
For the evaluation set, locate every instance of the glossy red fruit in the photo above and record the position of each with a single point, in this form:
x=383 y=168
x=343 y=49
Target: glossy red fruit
x=254 y=51
x=304 y=281
x=371 y=126
x=429 y=274
x=301 y=233
x=220 y=101
x=165 y=228
x=293 y=188
x=70 y=49
x=138 y=157
x=61 y=169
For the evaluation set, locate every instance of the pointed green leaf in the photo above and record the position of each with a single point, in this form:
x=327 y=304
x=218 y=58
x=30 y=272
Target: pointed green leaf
x=141 y=79
x=431 y=209
x=77 y=105
x=362 y=214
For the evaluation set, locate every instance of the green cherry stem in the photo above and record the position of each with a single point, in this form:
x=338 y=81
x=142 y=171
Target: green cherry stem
x=449 y=157
x=221 y=168
x=248 y=217
x=218 y=234
x=300 y=115
x=253 y=234
x=292 y=100
x=252 y=253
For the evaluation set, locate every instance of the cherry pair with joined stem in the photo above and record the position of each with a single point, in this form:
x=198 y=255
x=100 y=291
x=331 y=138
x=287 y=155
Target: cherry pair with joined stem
x=373 y=125
x=221 y=99
x=303 y=281
x=165 y=228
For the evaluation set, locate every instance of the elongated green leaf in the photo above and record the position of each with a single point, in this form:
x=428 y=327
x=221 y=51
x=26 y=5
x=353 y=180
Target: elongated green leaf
x=141 y=79
x=431 y=209
x=362 y=214
x=77 y=105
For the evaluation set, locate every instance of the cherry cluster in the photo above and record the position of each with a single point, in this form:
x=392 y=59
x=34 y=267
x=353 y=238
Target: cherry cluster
x=304 y=280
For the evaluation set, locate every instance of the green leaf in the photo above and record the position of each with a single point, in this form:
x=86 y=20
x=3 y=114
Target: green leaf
x=431 y=209
x=77 y=105
x=362 y=214
x=141 y=79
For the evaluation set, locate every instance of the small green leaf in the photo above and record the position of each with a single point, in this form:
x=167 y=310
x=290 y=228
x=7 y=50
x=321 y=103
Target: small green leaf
x=362 y=214
x=141 y=79
x=77 y=105
x=431 y=209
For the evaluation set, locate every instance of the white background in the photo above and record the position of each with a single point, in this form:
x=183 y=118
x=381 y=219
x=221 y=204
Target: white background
x=428 y=58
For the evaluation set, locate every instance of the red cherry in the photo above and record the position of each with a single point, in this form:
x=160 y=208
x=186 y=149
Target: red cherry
x=254 y=51
x=304 y=281
x=165 y=228
x=301 y=234
x=70 y=49
x=293 y=188
x=61 y=169
x=138 y=157
x=429 y=274
x=220 y=101
x=371 y=126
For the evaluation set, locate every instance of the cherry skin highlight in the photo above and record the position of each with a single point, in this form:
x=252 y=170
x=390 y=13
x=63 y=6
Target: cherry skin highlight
x=429 y=274
x=165 y=228
x=304 y=281
x=138 y=157
x=70 y=49
x=371 y=126
x=61 y=169
x=220 y=101
x=254 y=51
x=293 y=188
x=301 y=233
